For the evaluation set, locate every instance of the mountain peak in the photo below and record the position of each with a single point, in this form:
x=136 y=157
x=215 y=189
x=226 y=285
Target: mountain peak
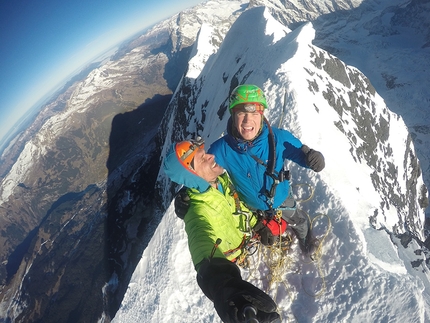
x=371 y=188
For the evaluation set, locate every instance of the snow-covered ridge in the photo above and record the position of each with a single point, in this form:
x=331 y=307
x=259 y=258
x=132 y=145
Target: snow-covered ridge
x=370 y=188
x=378 y=143
x=388 y=41
x=291 y=12
x=201 y=51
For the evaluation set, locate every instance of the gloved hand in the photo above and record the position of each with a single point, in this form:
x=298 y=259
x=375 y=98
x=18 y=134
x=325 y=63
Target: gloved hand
x=182 y=203
x=314 y=159
x=249 y=302
x=234 y=298
x=266 y=236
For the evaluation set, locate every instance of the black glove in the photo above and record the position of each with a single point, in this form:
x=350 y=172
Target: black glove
x=233 y=298
x=314 y=159
x=182 y=203
x=247 y=297
x=266 y=235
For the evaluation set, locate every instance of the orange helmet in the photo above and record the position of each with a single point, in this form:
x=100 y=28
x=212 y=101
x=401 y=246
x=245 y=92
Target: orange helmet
x=186 y=150
x=177 y=164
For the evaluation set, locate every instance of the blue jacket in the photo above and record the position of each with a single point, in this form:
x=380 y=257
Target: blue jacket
x=247 y=175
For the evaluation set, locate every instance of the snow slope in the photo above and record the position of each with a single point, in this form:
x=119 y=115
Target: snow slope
x=366 y=273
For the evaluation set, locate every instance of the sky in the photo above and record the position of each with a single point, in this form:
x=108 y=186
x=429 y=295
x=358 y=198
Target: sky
x=364 y=274
x=42 y=42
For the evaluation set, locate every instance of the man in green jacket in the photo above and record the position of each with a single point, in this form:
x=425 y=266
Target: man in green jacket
x=217 y=226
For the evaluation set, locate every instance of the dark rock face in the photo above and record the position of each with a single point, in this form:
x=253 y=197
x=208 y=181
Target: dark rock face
x=368 y=131
x=64 y=232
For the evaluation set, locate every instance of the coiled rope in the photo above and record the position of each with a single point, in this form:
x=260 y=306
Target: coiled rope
x=316 y=256
x=278 y=261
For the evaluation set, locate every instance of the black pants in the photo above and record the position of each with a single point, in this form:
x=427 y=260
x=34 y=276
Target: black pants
x=296 y=219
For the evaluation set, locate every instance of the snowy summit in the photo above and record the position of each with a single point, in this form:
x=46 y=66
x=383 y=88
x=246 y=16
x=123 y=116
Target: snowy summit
x=368 y=199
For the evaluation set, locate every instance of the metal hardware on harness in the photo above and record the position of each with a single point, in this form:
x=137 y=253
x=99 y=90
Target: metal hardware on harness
x=269 y=214
x=217 y=243
x=277 y=177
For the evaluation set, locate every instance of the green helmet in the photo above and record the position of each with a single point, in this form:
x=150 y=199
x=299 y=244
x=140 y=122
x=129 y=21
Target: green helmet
x=247 y=93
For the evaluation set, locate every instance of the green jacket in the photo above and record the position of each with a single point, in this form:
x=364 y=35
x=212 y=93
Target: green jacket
x=212 y=215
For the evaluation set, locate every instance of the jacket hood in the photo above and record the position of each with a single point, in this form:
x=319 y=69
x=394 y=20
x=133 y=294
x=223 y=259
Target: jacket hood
x=181 y=175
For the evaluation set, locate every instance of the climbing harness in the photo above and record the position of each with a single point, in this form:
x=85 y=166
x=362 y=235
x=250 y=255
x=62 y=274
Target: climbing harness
x=249 y=249
x=249 y=244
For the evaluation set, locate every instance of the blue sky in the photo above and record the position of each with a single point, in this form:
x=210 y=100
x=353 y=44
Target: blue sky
x=44 y=41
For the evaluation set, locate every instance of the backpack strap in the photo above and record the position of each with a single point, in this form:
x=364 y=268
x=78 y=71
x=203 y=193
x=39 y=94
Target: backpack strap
x=270 y=166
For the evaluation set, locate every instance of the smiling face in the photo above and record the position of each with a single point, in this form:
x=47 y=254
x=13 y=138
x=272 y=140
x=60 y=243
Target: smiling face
x=204 y=165
x=248 y=124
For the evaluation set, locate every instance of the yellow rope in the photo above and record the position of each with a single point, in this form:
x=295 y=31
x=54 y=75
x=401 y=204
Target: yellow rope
x=311 y=194
x=316 y=257
x=279 y=262
x=318 y=252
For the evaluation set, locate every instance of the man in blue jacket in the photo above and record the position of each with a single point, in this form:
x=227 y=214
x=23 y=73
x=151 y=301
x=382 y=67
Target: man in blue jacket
x=253 y=154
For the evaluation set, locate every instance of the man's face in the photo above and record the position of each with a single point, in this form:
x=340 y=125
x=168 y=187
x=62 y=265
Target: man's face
x=205 y=166
x=248 y=124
